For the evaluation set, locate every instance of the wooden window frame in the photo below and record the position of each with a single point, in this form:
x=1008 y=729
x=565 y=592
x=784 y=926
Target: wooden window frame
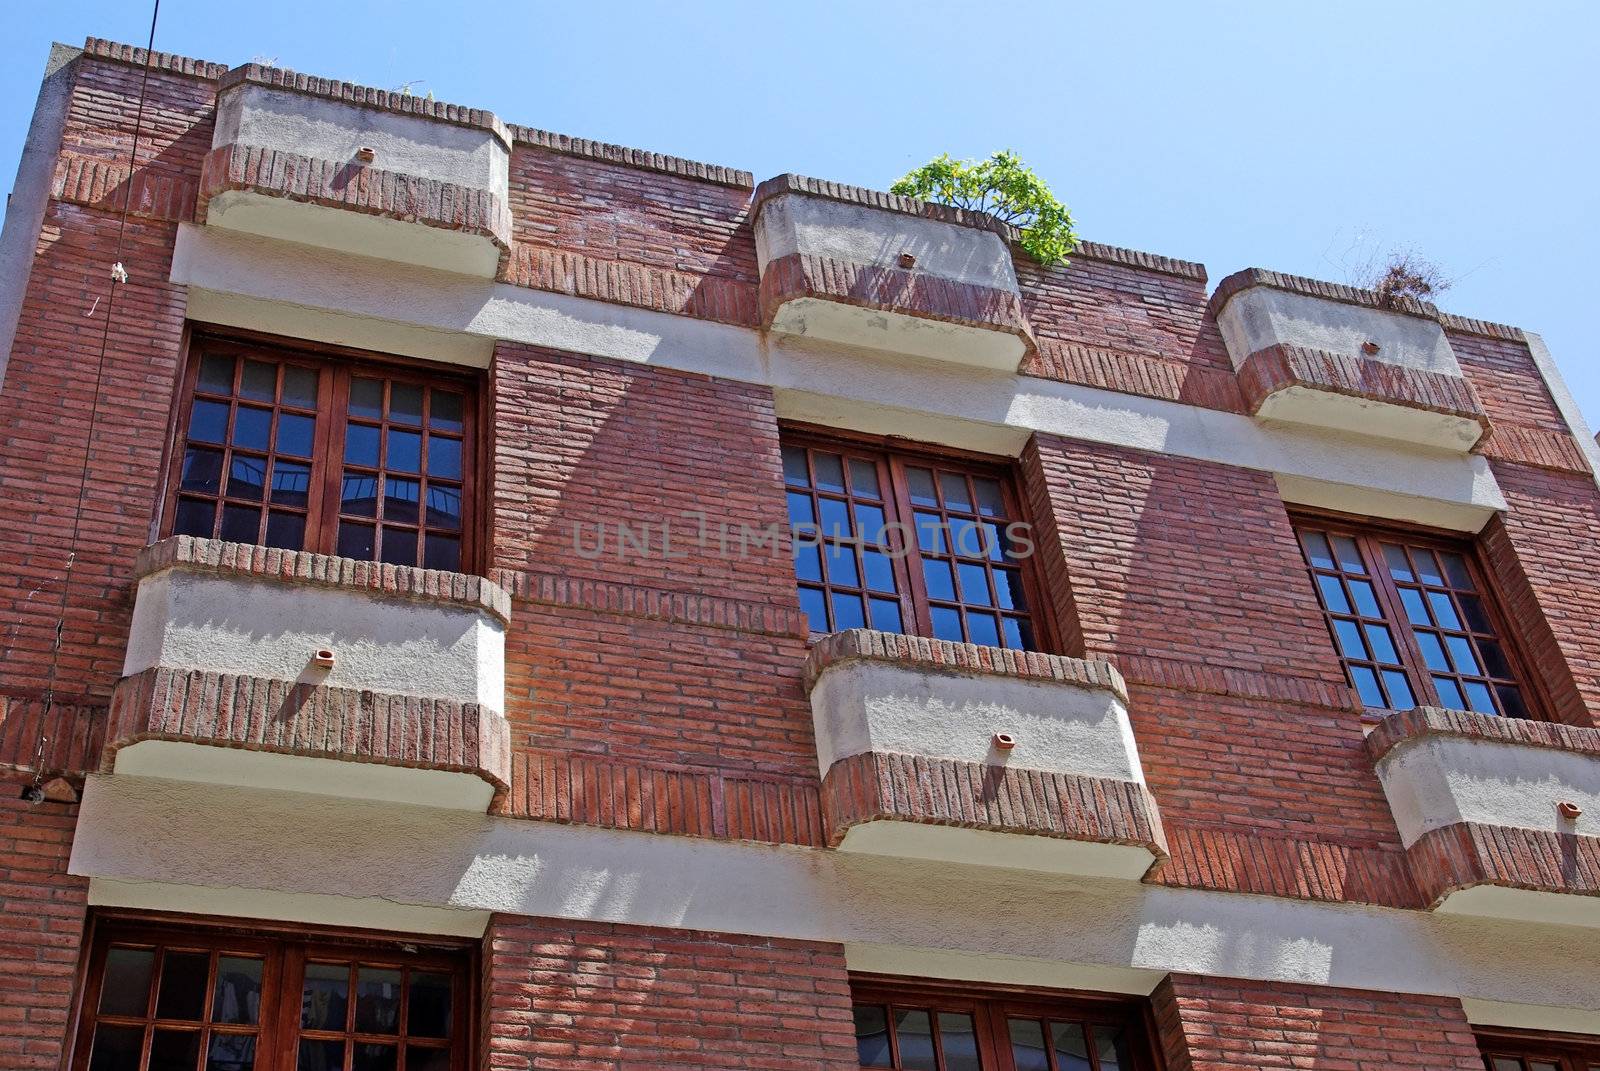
x=892 y=455
x=284 y=949
x=1369 y=534
x=1568 y=1052
x=992 y=1005
x=336 y=367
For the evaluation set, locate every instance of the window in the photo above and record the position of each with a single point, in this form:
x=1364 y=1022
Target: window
x=1539 y=1052
x=161 y=1000
x=1412 y=621
x=908 y=1029
x=335 y=456
x=908 y=543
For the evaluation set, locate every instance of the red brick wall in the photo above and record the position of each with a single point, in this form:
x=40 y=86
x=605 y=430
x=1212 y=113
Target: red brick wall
x=41 y=927
x=591 y=996
x=1209 y=1024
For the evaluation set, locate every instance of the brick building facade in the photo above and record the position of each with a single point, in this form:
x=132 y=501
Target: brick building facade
x=480 y=598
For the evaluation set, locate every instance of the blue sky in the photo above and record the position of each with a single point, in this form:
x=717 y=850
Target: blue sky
x=1307 y=138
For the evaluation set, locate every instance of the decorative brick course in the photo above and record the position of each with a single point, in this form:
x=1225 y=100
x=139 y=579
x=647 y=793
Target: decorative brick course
x=1469 y=854
x=881 y=786
x=1135 y=373
x=680 y=293
x=869 y=645
x=296 y=718
x=1538 y=447
x=1305 y=868
x=1405 y=726
x=1221 y=1024
x=94 y=183
x=633 y=600
x=350 y=185
x=325 y=570
x=586 y=996
x=66 y=739
x=1277 y=368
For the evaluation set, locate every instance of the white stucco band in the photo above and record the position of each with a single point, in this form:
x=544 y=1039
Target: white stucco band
x=255 y=853
x=893 y=332
x=1060 y=728
x=1259 y=317
x=274 y=286
x=194 y=620
x=1439 y=781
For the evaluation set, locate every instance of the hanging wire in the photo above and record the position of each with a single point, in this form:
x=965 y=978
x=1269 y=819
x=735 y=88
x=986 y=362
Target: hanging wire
x=119 y=277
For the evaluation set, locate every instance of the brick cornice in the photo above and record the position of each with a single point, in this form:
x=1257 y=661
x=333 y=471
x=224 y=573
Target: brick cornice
x=1279 y=367
x=325 y=570
x=344 y=184
x=1135 y=258
x=658 y=604
x=1468 y=854
x=868 y=645
x=1148 y=375
x=705 y=297
x=102 y=49
x=1406 y=726
x=293 y=718
x=95 y=183
x=888 y=202
x=1524 y=444
x=911 y=293
x=1175 y=675
x=642 y=159
x=1231 y=860
x=887 y=786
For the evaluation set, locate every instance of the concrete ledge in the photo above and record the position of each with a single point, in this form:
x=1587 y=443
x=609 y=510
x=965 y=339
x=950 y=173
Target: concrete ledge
x=1525 y=874
x=161 y=707
x=868 y=645
x=1401 y=727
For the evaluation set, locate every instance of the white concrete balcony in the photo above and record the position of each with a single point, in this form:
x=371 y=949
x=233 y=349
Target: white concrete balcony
x=359 y=170
x=284 y=669
x=866 y=269
x=970 y=754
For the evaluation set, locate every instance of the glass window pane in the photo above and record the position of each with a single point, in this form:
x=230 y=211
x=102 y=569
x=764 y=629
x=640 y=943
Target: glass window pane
x=1476 y=617
x=914 y=1031
x=175 y=1050
x=361 y=445
x=1113 y=1049
x=238 y=990
x=1478 y=697
x=956 y=496
x=377 y=1000
x=444 y=507
x=1503 y=1064
x=1455 y=570
x=966 y=538
x=1395 y=558
x=958 y=1039
x=807 y=561
x=1511 y=701
x=259 y=382
x=1027 y=1045
x=1018 y=634
x=1366 y=602
x=116 y=1048
x=370 y=1057
x=1494 y=659
x=1332 y=592
x=794 y=467
x=847 y=612
x=399 y=546
x=442 y=552
x=445 y=411
x=405 y=451
x=444 y=457
x=1349 y=556
x=1399 y=689
x=291 y=483
x=1317 y=549
x=946 y=624
x=1366 y=684
x=216 y=374
x=1381 y=644
x=295 y=434
x=829 y=469
x=815 y=608
x=930 y=533
x=983 y=630
x=194 y=518
x=864 y=479
x=252 y=428
x=208 y=421
x=232 y=1052
x=400 y=500
x=1444 y=610
x=356 y=540
x=325 y=996
x=240 y=524
x=1072 y=1047
x=299 y=387
x=405 y=403
x=1350 y=643
x=286 y=530
x=125 y=985
x=1432 y=650
x=1427 y=565
x=869 y=524
x=993 y=545
x=358 y=495
x=974 y=585
x=886 y=615
x=202 y=470
x=1416 y=611
x=920 y=483
x=872 y=1036
x=1461 y=656
x=1449 y=694
x=320 y=1055
x=835 y=517
x=940 y=582
x=421 y=1059
x=366 y=398
x=429 y=1011
x=1009 y=589
x=991 y=503
x=247 y=477
x=841 y=562
x=879 y=570
x=800 y=511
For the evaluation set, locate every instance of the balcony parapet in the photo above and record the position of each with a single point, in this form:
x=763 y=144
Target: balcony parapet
x=969 y=754
x=274 y=668
x=1499 y=816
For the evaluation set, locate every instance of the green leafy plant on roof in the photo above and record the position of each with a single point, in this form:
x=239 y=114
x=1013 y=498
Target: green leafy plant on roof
x=1004 y=187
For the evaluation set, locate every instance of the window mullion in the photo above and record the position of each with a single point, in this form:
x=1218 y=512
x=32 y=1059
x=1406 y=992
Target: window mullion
x=916 y=587
x=328 y=467
x=1411 y=660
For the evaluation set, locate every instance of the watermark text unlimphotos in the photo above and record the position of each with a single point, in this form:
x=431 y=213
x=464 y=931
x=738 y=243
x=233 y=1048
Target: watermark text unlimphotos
x=693 y=533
